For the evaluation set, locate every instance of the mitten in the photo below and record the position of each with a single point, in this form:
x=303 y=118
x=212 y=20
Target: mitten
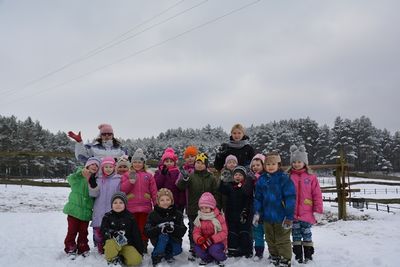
x=93 y=181
x=164 y=170
x=168 y=228
x=132 y=177
x=243 y=216
x=120 y=238
x=318 y=216
x=184 y=173
x=76 y=137
x=256 y=219
x=287 y=224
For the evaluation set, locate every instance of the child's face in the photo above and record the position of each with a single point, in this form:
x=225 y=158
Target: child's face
x=108 y=169
x=199 y=166
x=93 y=168
x=237 y=135
x=298 y=165
x=118 y=205
x=238 y=177
x=165 y=202
x=190 y=159
x=122 y=169
x=271 y=167
x=169 y=162
x=205 y=209
x=256 y=166
x=231 y=164
x=137 y=165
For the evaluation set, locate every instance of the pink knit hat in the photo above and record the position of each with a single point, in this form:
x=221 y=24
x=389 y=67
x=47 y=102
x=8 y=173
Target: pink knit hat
x=207 y=200
x=231 y=157
x=107 y=160
x=105 y=128
x=260 y=157
x=169 y=153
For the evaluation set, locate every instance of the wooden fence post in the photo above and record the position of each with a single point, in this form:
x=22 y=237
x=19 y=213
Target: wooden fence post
x=341 y=186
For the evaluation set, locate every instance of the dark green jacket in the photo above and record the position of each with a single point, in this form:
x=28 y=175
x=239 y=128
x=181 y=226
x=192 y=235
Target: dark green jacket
x=198 y=183
x=80 y=204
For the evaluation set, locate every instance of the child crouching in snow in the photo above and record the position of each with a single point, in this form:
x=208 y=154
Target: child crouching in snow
x=123 y=242
x=210 y=232
x=79 y=208
x=165 y=228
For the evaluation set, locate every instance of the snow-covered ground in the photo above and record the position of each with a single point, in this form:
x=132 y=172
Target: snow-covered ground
x=33 y=229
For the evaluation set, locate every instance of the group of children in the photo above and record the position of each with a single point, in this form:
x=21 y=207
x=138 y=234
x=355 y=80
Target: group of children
x=250 y=201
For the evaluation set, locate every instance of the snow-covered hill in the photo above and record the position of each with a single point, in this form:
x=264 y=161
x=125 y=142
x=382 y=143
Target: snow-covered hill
x=33 y=229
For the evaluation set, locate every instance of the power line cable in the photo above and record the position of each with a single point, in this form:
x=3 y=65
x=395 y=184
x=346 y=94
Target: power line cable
x=100 y=48
x=141 y=51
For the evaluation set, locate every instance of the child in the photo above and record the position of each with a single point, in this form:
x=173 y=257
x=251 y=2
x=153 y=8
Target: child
x=141 y=190
x=309 y=205
x=123 y=165
x=238 y=213
x=189 y=156
x=238 y=146
x=79 y=208
x=165 y=228
x=103 y=189
x=197 y=183
x=210 y=231
x=167 y=175
x=121 y=233
x=226 y=177
x=274 y=202
x=257 y=169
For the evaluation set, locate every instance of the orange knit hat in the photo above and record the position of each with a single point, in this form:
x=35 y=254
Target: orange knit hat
x=190 y=151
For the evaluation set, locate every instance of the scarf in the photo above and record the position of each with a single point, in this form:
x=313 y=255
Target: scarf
x=238 y=144
x=210 y=216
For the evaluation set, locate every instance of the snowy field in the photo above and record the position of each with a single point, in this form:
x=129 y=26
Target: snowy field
x=33 y=229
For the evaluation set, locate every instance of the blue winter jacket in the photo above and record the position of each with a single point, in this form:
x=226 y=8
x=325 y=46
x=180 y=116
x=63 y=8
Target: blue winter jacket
x=275 y=197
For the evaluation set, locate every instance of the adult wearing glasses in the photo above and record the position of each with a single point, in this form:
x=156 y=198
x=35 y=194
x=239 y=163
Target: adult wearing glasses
x=104 y=146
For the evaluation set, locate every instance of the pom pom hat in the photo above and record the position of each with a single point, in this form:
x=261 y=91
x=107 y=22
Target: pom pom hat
x=298 y=154
x=169 y=153
x=139 y=155
x=207 y=200
x=105 y=128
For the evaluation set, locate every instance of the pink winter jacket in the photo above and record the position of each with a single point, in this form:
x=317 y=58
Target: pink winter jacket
x=308 y=195
x=142 y=195
x=207 y=230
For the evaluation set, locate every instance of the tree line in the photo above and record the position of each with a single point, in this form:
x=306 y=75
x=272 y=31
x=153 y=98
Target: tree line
x=364 y=145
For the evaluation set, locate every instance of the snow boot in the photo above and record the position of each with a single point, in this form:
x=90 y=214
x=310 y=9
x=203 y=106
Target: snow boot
x=202 y=263
x=220 y=263
x=192 y=256
x=275 y=260
x=156 y=259
x=298 y=252
x=71 y=255
x=308 y=251
x=259 y=253
x=284 y=262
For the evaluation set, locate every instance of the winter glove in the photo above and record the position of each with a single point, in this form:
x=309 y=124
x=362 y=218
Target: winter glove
x=120 y=238
x=256 y=219
x=185 y=175
x=226 y=176
x=204 y=243
x=132 y=177
x=76 y=137
x=243 y=216
x=93 y=181
x=318 y=216
x=287 y=224
x=164 y=170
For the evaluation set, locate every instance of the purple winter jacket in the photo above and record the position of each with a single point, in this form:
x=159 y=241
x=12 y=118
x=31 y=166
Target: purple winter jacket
x=169 y=181
x=106 y=187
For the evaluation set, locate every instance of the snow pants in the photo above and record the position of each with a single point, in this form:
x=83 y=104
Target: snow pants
x=216 y=252
x=278 y=240
x=78 y=228
x=131 y=257
x=301 y=231
x=165 y=245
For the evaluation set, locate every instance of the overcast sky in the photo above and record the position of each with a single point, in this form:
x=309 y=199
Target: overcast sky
x=269 y=61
